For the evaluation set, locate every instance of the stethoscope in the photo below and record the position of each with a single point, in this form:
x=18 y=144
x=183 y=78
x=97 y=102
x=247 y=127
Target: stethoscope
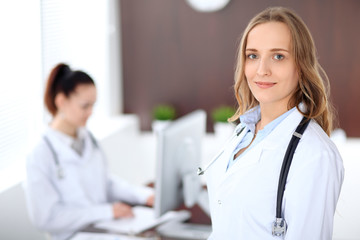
x=238 y=131
x=279 y=226
x=60 y=170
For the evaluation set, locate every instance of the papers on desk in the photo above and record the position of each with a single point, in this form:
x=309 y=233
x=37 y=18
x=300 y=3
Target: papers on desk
x=105 y=236
x=144 y=219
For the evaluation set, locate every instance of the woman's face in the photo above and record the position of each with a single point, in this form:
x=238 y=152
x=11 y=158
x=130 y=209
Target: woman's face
x=270 y=67
x=78 y=107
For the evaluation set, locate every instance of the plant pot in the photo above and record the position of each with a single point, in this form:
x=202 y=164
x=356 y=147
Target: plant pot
x=158 y=125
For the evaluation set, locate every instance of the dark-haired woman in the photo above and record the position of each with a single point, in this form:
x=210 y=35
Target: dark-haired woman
x=68 y=185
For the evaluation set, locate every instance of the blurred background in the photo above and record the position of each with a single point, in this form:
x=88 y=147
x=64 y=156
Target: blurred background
x=144 y=53
x=171 y=53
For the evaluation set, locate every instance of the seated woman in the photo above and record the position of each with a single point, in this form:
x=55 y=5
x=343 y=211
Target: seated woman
x=68 y=185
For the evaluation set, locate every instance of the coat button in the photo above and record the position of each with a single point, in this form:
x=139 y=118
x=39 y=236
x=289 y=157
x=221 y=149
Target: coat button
x=219 y=202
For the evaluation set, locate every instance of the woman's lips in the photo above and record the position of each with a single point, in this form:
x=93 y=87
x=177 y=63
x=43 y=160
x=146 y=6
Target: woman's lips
x=264 y=84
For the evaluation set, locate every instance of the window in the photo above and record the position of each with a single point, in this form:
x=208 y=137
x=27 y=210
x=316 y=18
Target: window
x=85 y=35
x=36 y=35
x=20 y=83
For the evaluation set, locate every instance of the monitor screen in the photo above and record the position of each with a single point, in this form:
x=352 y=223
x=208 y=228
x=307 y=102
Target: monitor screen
x=179 y=147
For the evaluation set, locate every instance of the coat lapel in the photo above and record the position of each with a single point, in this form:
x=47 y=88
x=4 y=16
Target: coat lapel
x=278 y=138
x=281 y=135
x=63 y=151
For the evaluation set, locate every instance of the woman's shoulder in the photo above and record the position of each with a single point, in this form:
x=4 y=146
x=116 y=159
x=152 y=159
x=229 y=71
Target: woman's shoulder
x=317 y=142
x=318 y=135
x=40 y=151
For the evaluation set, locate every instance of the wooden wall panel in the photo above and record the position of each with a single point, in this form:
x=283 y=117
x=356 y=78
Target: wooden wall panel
x=173 y=54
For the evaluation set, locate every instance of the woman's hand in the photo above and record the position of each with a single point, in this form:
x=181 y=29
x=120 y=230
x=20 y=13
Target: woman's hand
x=150 y=201
x=122 y=210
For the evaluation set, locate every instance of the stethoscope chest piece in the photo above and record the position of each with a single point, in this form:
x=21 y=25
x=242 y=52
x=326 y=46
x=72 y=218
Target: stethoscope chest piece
x=279 y=227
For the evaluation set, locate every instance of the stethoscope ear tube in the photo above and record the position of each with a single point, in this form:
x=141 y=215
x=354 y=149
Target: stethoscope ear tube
x=279 y=226
x=60 y=171
x=200 y=171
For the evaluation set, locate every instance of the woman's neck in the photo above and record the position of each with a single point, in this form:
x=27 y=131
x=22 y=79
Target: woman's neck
x=270 y=112
x=61 y=125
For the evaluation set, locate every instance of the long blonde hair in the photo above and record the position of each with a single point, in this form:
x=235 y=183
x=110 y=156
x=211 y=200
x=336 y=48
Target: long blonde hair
x=314 y=88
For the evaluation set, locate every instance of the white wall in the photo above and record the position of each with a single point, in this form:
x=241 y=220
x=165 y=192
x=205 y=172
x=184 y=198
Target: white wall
x=130 y=153
x=347 y=216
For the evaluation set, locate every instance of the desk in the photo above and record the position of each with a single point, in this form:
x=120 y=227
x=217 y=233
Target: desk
x=197 y=216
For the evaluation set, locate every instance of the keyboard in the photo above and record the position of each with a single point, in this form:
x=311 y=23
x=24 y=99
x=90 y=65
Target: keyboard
x=144 y=219
x=179 y=230
x=105 y=236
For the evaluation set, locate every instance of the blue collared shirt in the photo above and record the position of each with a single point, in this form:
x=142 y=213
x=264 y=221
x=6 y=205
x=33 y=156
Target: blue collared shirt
x=248 y=121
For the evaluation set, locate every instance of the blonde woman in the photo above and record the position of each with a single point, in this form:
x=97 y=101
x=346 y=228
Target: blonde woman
x=280 y=88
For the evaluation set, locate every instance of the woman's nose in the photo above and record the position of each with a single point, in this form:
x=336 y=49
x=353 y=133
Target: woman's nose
x=263 y=68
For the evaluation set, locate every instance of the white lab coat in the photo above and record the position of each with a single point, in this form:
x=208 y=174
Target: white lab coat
x=83 y=196
x=243 y=198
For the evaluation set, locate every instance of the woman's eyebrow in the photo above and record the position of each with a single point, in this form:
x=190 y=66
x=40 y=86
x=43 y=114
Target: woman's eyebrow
x=251 y=50
x=279 y=50
x=272 y=50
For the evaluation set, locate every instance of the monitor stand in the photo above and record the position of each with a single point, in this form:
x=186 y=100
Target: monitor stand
x=195 y=193
x=181 y=230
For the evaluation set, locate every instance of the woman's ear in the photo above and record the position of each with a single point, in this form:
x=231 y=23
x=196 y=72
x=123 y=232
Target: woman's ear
x=60 y=100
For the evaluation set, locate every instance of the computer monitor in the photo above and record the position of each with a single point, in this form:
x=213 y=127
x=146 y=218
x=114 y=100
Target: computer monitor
x=179 y=147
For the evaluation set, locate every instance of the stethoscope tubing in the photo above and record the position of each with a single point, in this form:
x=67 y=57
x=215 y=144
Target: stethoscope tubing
x=287 y=162
x=236 y=133
x=60 y=171
x=279 y=227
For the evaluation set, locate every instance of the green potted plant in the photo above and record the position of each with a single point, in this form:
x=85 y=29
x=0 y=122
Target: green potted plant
x=162 y=115
x=220 y=116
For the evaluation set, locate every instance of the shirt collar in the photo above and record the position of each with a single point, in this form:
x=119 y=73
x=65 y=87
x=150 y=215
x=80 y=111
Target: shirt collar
x=253 y=116
x=250 y=118
x=68 y=140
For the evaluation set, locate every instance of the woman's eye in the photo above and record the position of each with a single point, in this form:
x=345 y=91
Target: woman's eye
x=251 y=56
x=279 y=57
